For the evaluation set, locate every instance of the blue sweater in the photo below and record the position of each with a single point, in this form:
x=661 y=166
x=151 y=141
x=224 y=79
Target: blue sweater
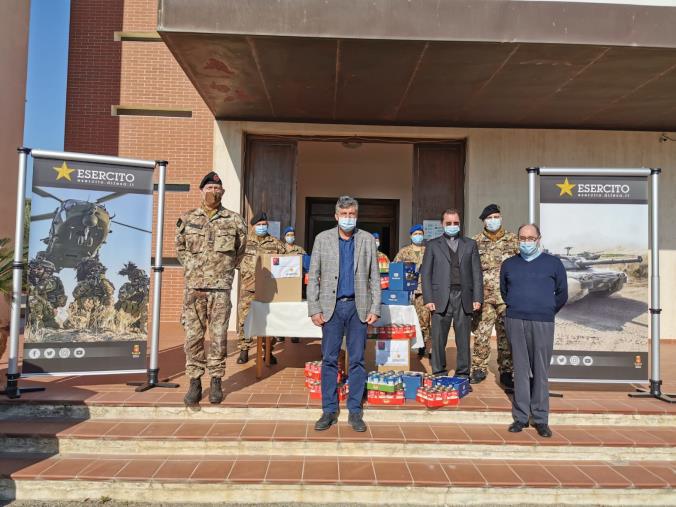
x=534 y=290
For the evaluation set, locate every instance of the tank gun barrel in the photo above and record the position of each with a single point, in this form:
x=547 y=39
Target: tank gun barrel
x=627 y=260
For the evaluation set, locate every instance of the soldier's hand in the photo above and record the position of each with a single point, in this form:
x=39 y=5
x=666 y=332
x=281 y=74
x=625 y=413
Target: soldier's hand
x=431 y=307
x=476 y=305
x=318 y=319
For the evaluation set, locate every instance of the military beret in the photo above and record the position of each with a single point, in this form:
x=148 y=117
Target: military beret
x=212 y=177
x=261 y=217
x=489 y=210
x=376 y=235
x=416 y=228
x=288 y=230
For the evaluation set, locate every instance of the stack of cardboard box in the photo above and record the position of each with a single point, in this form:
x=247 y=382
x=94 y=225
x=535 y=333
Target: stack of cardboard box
x=313 y=381
x=385 y=388
x=402 y=283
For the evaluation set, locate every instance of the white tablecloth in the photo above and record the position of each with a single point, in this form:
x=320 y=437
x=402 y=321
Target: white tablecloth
x=291 y=319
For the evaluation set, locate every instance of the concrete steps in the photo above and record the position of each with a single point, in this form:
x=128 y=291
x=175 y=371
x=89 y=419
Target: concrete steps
x=221 y=455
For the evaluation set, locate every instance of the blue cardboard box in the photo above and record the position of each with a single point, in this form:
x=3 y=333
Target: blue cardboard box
x=396 y=297
x=306 y=263
x=403 y=276
x=460 y=384
x=412 y=381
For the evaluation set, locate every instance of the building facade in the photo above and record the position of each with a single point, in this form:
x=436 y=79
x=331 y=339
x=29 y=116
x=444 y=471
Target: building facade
x=410 y=106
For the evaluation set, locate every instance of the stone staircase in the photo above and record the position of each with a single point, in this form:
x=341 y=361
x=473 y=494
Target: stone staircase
x=271 y=455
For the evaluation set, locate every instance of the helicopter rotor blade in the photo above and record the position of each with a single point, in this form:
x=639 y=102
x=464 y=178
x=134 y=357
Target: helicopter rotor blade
x=109 y=197
x=130 y=226
x=44 y=216
x=42 y=193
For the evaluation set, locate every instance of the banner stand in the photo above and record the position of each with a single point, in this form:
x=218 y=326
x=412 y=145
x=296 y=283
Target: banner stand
x=655 y=389
x=153 y=367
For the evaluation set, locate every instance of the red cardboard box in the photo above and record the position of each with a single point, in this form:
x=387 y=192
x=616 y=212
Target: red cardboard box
x=382 y=398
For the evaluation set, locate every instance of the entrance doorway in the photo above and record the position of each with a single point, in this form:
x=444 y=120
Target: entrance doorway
x=375 y=215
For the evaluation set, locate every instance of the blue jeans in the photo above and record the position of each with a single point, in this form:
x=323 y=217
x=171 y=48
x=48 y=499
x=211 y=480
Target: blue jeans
x=344 y=322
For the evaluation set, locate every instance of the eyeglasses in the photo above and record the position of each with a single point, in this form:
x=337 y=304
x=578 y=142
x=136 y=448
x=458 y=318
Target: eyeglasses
x=529 y=238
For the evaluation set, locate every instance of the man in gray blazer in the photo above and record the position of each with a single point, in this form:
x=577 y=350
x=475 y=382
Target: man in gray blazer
x=452 y=290
x=343 y=296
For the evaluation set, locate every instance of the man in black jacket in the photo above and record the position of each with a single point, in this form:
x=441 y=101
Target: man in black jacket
x=452 y=290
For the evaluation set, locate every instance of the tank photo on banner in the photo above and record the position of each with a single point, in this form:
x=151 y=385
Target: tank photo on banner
x=88 y=271
x=598 y=227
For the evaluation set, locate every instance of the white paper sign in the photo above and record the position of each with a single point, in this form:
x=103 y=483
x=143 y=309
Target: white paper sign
x=432 y=229
x=274 y=228
x=392 y=352
x=286 y=267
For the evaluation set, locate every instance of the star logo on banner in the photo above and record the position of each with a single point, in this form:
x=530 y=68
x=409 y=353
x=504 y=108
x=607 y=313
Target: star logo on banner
x=63 y=172
x=566 y=188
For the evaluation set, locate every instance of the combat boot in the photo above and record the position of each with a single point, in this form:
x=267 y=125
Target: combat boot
x=215 y=391
x=194 y=394
x=243 y=357
x=506 y=379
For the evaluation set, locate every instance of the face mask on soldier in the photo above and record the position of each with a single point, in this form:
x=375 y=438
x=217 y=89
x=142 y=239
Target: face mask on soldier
x=290 y=239
x=213 y=199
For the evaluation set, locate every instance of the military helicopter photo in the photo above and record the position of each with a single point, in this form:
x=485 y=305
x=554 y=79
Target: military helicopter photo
x=78 y=228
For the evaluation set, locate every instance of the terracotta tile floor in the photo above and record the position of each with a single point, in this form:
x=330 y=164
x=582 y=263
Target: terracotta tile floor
x=349 y=470
x=283 y=385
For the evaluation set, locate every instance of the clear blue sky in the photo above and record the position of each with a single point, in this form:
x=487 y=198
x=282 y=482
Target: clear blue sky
x=47 y=68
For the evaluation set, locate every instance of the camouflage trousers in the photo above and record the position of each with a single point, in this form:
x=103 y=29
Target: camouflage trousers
x=424 y=317
x=491 y=315
x=245 y=299
x=202 y=310
x=40 y=313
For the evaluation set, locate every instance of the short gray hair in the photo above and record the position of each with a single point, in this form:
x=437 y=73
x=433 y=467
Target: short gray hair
x=345 y=202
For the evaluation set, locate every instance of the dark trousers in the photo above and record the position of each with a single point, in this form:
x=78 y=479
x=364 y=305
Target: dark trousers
x=344 y=322
x=532 y=344
x=441 y=325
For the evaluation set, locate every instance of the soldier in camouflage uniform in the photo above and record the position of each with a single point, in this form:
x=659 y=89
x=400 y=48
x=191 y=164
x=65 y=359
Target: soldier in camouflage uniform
x=414 y=253
x=132 y=297
x=292 y=248
x=382 y=258
x=46 y=294
x=92 y=297
x=210 y=244
x=258 y=242
x=495 y=245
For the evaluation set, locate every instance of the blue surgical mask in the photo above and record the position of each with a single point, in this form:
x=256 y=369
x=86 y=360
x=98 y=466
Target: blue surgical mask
x=493 y=224
x=452 y=230
x=261 y=230
x=290 y=239
x=529 y=250
x=347 y=223
x=417 y=239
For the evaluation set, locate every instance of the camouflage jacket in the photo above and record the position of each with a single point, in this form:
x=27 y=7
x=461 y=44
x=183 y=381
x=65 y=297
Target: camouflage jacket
x=255 y=246
x=131 y=296
x=492 y=253
x=99 y=288
x=412 y=253
x=210 y=248
x=51 y=289
x=295 y=249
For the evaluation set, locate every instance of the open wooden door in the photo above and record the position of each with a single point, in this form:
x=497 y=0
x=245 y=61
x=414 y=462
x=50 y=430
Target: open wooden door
x=438 y=179
x=270 y=179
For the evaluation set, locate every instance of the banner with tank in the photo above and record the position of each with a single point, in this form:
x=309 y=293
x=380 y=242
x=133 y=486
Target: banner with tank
x=598 y=227
x=88 y=270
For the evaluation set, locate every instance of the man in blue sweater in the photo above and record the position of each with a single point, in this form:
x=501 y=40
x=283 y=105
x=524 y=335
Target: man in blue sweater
x=534 y=286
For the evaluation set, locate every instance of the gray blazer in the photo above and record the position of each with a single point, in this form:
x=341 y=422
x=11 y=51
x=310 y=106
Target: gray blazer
x=436 y=273
x=324 y=268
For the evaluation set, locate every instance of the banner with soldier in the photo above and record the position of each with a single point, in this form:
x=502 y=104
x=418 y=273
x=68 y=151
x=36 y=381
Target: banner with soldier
x=88 y=270
x=598 y=227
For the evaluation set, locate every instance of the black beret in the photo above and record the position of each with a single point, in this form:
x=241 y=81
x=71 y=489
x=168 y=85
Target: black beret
x=489 y=210
x=261 y=217
x=212 y=177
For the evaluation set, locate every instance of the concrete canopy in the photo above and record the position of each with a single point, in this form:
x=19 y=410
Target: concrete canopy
x=476 y=63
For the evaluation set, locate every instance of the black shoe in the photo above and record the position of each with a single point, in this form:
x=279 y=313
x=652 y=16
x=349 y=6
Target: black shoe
x=477 y=377
x=273 y=360
x=215 y=391
x=326 y=421
x=517 y=427
x=281 y=339
x=243 y=357
x=194 y=394
x=507 y=380
x=543 y=430
x=357 y=422
x=421 y=352
x=295 y=340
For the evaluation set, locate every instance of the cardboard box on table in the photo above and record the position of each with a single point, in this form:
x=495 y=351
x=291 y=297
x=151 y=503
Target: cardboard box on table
x=279 y=278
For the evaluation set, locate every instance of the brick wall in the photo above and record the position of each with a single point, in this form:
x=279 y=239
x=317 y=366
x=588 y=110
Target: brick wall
x=103 y=72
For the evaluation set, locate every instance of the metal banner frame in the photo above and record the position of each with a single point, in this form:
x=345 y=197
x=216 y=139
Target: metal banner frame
x=655 y=388
x=12 y=389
